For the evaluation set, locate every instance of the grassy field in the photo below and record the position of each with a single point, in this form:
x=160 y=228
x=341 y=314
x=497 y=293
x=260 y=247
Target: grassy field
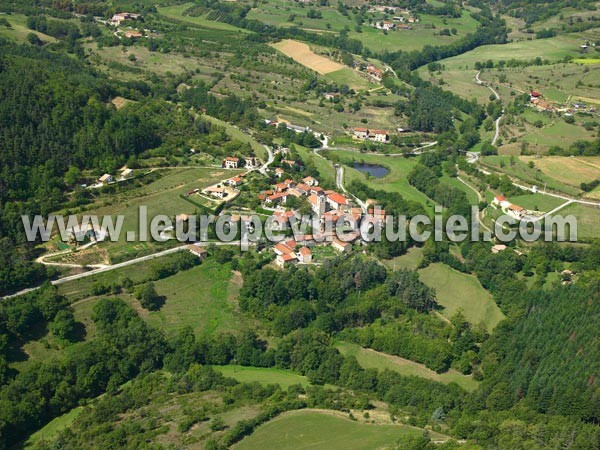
x=588 y=219
x=394 y=181
x=202 y=297
x=284 y=378
x=325 y=168
x=19 y=30
x=458 y=291
x=176 y=12
x=426 y=32
x=552 y=49
x=410 y=260
x=316 y=430
x=369 y=358
x=519 y=169
x=536 y=202
x=570 y=171
x=51 y=430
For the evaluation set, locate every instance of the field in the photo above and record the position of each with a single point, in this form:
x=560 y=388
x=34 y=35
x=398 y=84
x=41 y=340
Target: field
x=588 y=219
x=176 y=12
x=270 y=375
x=369 y=358
x=410 y=260
x=458 y=291
x=426 y=32
x=301 y=52
x=536 y=202
x=19 y=30
x=324 y=430
x=394 y=181
x=202 y=298
x=335 y=71
x=570 y=171
x=517 y=168
x=553 y=49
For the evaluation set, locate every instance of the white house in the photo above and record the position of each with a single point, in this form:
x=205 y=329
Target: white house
x=379 y=135
x=361 y=133
x=230 y=162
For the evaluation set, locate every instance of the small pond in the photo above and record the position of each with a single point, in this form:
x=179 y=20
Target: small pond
x=375 y=170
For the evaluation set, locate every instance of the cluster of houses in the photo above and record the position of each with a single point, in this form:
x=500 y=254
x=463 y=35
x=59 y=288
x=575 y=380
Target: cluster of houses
x=367 y=134
x=536 y=100
x=107 y=178
x=507 y=207
x=328 y=206
x=233 y=162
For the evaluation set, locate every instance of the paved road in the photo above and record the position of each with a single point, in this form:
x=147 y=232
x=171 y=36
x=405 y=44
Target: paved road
x=270 y=159
x=483 y=83
x=124 y=264
x=480 y=198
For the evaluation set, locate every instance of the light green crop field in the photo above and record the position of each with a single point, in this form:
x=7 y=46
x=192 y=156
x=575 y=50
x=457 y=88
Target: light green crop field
x=458 y=291
x=317 y=430
x=369 y=358
x=394 y=181
x=203 y=297
x=263 y=375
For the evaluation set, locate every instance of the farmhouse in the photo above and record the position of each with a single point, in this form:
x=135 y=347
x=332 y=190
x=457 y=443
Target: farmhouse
x=331 y=95
x=235 y=181
x=374 y=72
x=126 y=173
x=279 y=172
x=500 y=202
x=385 y=25
x=106 y=179
x=215 y=191
x=132 y=34
x=200 y=252
x=286 y=259
x=361 y=133
x=119 y=18
x=342 y=247
x=379 y=135
x=374 y=135
x=230 y=162
x=516 y=211
x=305 y=255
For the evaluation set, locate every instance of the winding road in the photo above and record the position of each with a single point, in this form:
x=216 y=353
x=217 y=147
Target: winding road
x=497 y=123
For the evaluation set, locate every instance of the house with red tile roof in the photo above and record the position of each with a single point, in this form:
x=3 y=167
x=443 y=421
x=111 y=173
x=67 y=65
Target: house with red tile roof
x=231 y=162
